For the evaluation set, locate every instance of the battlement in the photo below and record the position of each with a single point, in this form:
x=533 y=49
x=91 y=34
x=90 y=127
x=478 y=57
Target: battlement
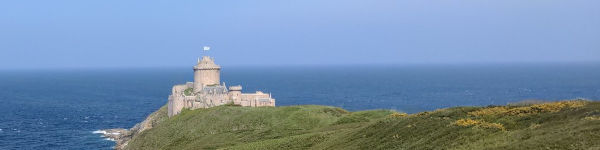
x=207 y=63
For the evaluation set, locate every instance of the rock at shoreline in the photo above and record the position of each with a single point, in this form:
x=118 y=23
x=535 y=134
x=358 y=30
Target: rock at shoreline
x=117 y=135
x=123 y=136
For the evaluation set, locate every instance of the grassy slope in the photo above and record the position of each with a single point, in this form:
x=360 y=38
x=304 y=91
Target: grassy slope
x=321 y=127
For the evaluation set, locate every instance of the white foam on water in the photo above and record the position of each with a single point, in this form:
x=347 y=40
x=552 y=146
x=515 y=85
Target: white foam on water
x=99 y=132
x=110 y=139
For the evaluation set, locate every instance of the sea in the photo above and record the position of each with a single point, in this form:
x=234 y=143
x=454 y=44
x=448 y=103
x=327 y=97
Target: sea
x=64 y=108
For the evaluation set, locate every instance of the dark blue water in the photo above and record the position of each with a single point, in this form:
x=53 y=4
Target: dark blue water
x=47 y=109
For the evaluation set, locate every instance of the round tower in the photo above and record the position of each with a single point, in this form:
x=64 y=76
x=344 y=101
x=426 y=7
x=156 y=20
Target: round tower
x=206 y=73
x=235 y=94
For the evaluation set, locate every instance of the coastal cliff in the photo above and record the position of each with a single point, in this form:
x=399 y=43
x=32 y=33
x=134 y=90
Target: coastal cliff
x=123 y=136
x=571 y=124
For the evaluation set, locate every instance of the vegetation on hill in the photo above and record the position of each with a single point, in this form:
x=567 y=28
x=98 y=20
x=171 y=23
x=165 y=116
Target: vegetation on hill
x=557 y=125
x=188 y=91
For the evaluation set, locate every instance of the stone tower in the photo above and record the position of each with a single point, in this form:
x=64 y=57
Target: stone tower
x=235 y=94
x=206 y=73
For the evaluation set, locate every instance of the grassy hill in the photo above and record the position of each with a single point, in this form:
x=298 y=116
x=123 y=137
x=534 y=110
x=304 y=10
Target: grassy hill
x=556 y=125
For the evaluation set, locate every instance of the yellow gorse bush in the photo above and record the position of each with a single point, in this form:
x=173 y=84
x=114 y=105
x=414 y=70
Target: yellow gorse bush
x=466 y=122
x=595 y=118
x=526 y=110
x=478 y=124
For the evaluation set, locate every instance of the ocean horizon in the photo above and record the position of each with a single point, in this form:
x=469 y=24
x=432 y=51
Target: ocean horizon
x=61 y=108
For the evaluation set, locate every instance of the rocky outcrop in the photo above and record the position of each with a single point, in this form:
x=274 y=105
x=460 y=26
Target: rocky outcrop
x=123 y=136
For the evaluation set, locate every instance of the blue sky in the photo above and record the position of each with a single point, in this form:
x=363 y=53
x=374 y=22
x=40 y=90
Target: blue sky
x=118 y=33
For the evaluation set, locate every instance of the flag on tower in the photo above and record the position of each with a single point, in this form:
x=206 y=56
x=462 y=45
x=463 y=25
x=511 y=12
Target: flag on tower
x=206 y=48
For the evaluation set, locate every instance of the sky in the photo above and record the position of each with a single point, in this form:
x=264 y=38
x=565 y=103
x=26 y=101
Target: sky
x=148 y=33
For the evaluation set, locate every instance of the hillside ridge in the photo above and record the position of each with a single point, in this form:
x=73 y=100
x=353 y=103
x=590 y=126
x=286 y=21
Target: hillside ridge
x=571 y=124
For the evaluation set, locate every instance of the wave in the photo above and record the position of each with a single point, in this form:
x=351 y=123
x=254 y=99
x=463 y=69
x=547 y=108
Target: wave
x=99 y=132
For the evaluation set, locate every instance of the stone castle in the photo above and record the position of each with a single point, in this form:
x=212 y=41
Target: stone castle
x=206 y=91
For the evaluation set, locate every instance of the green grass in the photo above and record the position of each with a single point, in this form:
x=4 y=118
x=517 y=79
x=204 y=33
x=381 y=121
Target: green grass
x=188 y=91
x=323 y=127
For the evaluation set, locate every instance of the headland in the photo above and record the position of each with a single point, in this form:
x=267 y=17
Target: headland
x=572 y=124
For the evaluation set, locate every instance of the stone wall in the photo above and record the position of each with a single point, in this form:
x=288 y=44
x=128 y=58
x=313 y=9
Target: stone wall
x=176 y=100
x=175 y=105
x=257 y=99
